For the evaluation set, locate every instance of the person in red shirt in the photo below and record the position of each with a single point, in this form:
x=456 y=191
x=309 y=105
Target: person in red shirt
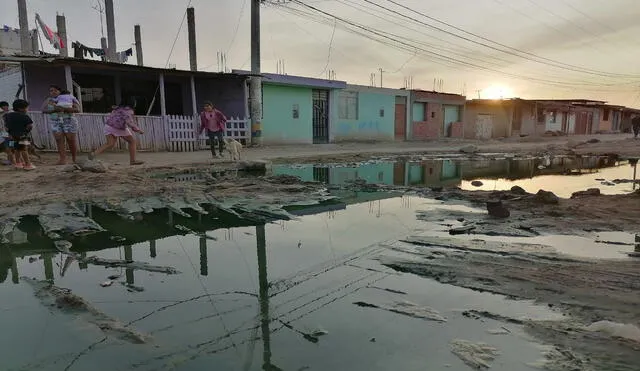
x=214 y=122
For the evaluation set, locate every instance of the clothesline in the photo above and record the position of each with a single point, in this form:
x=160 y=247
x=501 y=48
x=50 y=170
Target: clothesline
x=80 y=51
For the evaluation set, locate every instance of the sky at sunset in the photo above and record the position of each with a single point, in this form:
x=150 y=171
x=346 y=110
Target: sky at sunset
x=487 y=48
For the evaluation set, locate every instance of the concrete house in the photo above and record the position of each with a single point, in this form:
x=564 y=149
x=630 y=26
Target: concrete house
x=297 y=110
x=368 y=113
x=435 y=115
x=492 y=118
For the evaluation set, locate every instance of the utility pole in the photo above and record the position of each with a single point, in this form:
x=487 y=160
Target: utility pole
x=111 y=31
x=255 y=88
x=23 y=20
x=137 y=35
x=61 y=24
x=191 y=31
x=381 y=71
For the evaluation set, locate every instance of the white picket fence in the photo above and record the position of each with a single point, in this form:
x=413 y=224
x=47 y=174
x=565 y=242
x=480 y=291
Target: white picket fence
x=171 y=133
x=183 y=133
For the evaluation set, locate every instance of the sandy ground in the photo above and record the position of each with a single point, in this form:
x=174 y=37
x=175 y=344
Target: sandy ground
x=51 y=183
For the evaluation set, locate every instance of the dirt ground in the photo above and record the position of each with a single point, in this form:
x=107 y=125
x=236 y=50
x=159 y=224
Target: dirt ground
x=51 y=183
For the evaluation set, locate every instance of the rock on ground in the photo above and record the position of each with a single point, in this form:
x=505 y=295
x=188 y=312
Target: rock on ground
x=588 y=192
x=497 y=209
x=547 y=197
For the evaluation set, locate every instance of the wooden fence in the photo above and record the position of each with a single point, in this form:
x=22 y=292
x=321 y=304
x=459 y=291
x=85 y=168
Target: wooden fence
x=171 y=133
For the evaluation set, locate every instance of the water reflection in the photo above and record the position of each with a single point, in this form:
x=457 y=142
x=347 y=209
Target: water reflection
x=447 y=172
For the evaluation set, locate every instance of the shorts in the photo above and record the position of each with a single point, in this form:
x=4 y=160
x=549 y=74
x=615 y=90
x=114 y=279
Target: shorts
x=64 y=125
x=19 y=143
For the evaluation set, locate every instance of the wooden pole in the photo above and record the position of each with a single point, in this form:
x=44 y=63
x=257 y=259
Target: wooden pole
x=23 y=21
x=61 y=23
x=137 y=34
x=191 y=31
x=163 y=106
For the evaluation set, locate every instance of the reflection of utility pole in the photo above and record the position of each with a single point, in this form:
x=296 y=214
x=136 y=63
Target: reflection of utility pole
x=152 y=249
x=128 y=256
x=15 y=276
x=48 y=266
x=265 y=320
x=204 y=265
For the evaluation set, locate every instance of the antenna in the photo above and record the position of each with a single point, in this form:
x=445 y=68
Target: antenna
x=100 y=9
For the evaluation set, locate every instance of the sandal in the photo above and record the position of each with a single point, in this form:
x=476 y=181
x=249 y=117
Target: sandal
x=135 y=163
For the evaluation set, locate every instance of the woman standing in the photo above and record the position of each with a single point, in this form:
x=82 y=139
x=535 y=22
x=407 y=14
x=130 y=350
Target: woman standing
x=119 y=124
x=63 y=123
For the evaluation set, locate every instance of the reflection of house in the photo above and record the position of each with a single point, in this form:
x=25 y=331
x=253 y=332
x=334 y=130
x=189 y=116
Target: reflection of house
x=435 y=115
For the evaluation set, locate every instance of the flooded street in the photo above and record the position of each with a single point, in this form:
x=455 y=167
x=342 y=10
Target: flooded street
x=365 y=281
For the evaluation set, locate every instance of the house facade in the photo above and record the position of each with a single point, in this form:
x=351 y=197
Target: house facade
x=367 y=113
x=297 y=110
x=487 y=118
x=436 y=115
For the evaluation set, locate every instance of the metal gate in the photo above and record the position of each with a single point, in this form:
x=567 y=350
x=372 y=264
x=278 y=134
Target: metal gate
x=320 y=116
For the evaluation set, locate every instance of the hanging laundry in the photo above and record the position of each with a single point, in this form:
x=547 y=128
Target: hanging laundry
x=123 y=56
x=51 y=36
x=80 y=50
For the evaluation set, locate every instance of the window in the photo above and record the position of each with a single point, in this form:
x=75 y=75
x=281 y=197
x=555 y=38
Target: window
x=296 y=111
x=419 y=110
x=552 y=117
x=381 y=112
x=348 y=105
x=433 y=114
x=605 y=115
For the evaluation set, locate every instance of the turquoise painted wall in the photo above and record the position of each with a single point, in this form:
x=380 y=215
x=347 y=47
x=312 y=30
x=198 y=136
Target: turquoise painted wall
x=381 y=173
x=369 y=125
x=278 y=124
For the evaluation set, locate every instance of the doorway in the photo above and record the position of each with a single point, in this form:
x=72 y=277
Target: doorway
x=401 y=118
x=320 y=116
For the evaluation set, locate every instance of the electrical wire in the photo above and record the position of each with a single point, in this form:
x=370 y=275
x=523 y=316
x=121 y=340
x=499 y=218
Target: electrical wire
x=507 y=49
x=333 y=33
x=404 y=45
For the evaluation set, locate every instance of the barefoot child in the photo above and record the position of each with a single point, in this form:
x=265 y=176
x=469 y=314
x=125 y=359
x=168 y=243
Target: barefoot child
x=19 y=125
x=119 y=124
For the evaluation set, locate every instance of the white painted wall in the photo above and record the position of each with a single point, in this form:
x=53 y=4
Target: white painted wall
x=10 y=81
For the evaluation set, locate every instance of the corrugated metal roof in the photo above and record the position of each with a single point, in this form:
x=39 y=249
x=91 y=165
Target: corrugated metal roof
x=88 y=63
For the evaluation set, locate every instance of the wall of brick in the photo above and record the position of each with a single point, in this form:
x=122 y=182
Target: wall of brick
x=425 y=130
x=457 y=130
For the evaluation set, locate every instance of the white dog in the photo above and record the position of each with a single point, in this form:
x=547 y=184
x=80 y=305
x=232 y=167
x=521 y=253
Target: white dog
x=234 y=148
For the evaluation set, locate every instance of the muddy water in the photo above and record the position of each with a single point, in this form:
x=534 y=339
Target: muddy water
x=561 y=175
x=248 y=297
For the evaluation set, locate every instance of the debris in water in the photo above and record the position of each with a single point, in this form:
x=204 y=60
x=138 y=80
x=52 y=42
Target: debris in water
x=319 y=332
x=118 y=238
x=461 y=230
x=112 y=263
x=407 y=308
x=477 y=183
x=63 y=246
x=475 y=355
x=106 y=283
x=618 y=330
x=299 y=243
x=499 y=331
x=66 y=302
x=114 y=277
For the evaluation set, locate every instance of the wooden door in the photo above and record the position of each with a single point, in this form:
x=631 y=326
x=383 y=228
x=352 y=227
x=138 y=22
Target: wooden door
x=401 y=118
x=484 y=126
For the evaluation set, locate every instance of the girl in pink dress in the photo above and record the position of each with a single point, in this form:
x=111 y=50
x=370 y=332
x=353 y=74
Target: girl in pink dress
x=119 y=124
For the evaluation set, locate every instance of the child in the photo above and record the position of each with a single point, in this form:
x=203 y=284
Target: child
x=119 y=124
x=19 y=125
x=65 y=99
x=4 y=136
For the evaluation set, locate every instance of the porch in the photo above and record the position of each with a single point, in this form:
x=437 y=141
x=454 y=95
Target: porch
x=167 y=101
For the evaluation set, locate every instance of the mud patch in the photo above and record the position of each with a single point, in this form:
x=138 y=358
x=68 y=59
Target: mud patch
x=478 y=356
x=407 y=308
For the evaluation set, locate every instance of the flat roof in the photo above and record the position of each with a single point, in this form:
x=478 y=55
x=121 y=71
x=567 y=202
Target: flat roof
x=291 y=80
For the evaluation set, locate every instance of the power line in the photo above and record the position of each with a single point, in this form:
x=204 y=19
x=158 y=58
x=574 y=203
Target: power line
x=386 y=38
x=333 y=33
x=235 y=33
x=509 y=50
